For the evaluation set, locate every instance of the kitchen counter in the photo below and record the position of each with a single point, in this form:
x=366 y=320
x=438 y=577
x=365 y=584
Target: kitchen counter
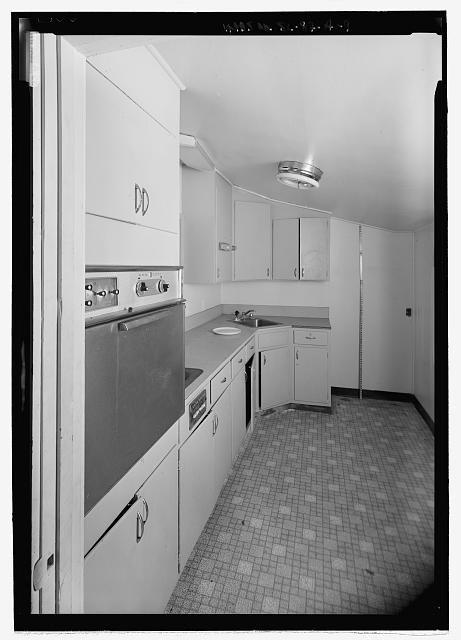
x=208 y=351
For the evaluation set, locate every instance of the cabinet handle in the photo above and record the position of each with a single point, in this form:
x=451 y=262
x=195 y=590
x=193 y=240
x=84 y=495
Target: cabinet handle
x=136 y=205
x=144 y=208
x=295 y=270
x=223 y=380
x=297 y=355
x=264 y=359
x=302 y=272
x=241 y=360
x=217 y=424
x=267 y=271
x=139 y=527
x=146 y=507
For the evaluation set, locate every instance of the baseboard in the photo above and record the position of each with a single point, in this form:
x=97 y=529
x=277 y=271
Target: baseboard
x=423 y=413
x=387 y=395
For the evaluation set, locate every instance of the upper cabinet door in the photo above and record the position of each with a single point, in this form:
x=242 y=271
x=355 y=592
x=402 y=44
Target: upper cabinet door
x=132 y=162
x=314 y=248
x=252 y=237
x=285 y=247
x=223 y=228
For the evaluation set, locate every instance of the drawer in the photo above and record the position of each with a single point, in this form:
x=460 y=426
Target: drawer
x=219 y=382
x=278 y=338
x=250 y=349
x=238 y=361
x=311 y=337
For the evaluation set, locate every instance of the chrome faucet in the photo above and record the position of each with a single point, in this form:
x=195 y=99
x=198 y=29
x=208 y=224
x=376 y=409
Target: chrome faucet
x=244 y=314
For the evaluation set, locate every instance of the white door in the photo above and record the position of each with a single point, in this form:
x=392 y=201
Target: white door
x=196 y=486
x=311 y=375
x=132 y=170
x=223 y=228
x=387 y=292
x=238 y=411
x=252 y=237
x=285 y=249
x=222 y=440
x=275 y=377
x=314 y=252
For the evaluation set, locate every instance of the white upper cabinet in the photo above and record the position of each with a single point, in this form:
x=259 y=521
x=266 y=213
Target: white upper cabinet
x=156 y=93
x=301 y=249
x=206 y=225
x=285 y=235
x=314 y=248
x=253 y=240
x=132 y=162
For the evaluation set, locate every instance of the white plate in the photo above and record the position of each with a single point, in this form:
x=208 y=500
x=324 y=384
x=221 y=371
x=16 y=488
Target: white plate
x=226 y=331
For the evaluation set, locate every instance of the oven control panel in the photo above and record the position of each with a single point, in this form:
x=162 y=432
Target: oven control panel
x=110 y=291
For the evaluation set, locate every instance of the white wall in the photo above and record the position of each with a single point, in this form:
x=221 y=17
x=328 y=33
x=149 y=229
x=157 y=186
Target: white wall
x=424 y=317
x=387 y=292
x=200 y=297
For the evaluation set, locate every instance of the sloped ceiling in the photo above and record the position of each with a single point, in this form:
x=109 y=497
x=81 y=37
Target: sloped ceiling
x=358 y=107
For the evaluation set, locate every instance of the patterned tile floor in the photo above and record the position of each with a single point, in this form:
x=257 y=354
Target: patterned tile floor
x=322 y=513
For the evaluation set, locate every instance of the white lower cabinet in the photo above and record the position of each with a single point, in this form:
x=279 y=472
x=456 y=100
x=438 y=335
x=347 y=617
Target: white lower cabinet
x=133 y=569
x=196 y=486
x=275 y=376
x=238 y=411
x=311 y=384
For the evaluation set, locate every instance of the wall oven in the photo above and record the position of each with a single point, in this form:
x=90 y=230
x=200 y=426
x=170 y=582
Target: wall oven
x=134 y=368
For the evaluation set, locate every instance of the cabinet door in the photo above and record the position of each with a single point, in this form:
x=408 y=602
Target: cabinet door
x=238 y=411
x=314 y=248
x=157 y=557
x=126 y=152
x=311 y=375
x=222 y=440
x=196 y=486
x=111 y=581
x=133 y=569
x=285 y=253
x=223 y=228
x=252 y=237
x=275 y=377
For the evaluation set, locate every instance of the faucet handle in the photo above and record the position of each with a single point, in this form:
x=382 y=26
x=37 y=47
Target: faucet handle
x=236 y=314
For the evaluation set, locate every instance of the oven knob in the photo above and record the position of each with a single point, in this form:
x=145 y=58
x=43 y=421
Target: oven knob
x=88 y=303
x=89 y=287
x=163 y=286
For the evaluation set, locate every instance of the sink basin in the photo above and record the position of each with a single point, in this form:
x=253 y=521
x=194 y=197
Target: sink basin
x=191 y=374
x=257 y=322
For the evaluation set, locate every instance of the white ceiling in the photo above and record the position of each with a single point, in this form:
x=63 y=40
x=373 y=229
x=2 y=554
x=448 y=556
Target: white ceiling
x=358 y=107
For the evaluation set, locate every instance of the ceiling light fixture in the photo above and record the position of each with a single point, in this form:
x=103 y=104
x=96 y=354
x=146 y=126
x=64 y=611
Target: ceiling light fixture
x=298 y=175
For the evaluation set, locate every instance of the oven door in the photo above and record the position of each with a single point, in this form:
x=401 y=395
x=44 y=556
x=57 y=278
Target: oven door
x=134 y=392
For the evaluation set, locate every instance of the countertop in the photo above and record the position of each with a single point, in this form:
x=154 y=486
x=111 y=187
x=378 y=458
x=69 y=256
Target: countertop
x=208 y=351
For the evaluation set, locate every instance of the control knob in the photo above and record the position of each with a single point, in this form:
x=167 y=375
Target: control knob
x=163 y=286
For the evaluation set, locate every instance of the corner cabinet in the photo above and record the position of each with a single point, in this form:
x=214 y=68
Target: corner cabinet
x=301 y=249
x=311 y=367
x=206 y=227
x=253 y=241
x=132 y=161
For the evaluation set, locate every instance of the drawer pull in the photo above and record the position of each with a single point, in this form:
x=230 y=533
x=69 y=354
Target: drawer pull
x=310 y=337
x=223 y=380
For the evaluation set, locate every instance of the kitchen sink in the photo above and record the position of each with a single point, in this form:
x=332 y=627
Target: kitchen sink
x=191 y=374
x=257 y=322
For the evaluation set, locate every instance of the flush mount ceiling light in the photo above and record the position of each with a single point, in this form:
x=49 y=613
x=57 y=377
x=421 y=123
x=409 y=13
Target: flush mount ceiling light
x=298 y=175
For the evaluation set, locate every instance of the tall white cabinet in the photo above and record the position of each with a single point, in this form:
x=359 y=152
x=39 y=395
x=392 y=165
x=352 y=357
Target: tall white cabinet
x=206 y=227
x=253 y=241
x=132 y=160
